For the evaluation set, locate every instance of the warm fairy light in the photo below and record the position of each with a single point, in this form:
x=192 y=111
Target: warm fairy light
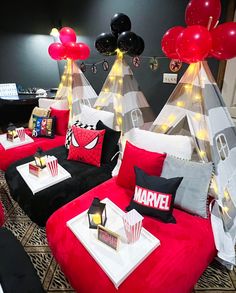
x=201 y=134
x=98 y=108
x=202 y=154
x=197 y=97
x=180 y=104
x=70 y=78
x=164 y=127
x=119 y=53
x=106 y=90
x=119 y=95
x=188 y=86
x=111 y=78
x=119 y=120
x=226 y=195
x=63 y=77
x=225 y=209
x=214 y=185
x=172 y=118
x=192 y=67
x=198 y=116
x=120 y=81
x=54 y=32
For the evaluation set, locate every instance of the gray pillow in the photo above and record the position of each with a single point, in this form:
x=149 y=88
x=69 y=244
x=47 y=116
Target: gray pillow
x=192 y=193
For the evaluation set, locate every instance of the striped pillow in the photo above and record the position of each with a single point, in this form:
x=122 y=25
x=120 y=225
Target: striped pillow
x=77 y=123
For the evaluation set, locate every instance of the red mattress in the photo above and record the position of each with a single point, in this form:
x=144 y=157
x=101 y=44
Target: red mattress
x=175 y=266
x=11 y=155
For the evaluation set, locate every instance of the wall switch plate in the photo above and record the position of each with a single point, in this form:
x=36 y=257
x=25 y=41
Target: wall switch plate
x=170 y=77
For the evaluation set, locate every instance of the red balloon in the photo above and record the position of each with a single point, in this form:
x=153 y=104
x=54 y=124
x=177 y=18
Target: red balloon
x=199 y=12
x=72 y=50
x=57 y=51
x=193 y=44
x=84 y=51
x=224 y=41
x=67 y=34
x=168 y=42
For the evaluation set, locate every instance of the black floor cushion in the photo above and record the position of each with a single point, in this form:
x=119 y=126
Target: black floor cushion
x=42 y=204
x=17 y=274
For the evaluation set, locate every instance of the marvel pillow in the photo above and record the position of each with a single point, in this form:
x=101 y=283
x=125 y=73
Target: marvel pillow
x=86 y=146
x=77 y=123
x=154 y=196
x=150 y=162
x=111 y=139
x=44 y=127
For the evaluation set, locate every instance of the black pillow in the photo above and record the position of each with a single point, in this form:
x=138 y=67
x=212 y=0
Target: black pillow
x=154 y=196
x=110 y=142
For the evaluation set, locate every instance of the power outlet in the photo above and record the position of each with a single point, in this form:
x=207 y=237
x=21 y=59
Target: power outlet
x=170 y=77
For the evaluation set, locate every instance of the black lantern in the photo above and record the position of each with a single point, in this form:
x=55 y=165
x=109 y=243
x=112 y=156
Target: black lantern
x=11 y=132
x=97 y=214
x=40 y=158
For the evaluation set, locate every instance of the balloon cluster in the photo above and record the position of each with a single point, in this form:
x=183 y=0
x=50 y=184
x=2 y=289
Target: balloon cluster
x=68 y=48
x=120 y=37
x=202 y=37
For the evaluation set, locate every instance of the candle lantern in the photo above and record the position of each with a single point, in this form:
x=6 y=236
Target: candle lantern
x=97 y=214
x=40 y=158
x=11 y=132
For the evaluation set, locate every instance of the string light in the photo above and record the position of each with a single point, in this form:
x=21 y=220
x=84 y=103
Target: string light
x=164 y=127
x=226 y=194
x=202 y=153
x=201 y=134
x=172 y=118
x=54 y=32
x=180 y=103
x=198 y=116
x=106 y=90
x=197 y=97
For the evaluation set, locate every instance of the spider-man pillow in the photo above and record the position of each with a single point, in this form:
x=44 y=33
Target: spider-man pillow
x=86 y=146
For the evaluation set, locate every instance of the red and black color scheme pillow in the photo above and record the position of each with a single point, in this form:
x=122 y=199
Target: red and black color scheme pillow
x=111 y=140
x=86 y=146
x=154 y=196
x=150 y=162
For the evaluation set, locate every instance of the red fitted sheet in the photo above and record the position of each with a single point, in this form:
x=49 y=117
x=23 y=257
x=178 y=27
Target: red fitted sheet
x=186 y=249
x=11 y=155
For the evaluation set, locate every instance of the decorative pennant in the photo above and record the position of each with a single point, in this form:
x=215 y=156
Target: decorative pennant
x=153 y=63
x=175 y=65
x=105 y=65
x=136 y=61
x=94 y=69
x=83 y=67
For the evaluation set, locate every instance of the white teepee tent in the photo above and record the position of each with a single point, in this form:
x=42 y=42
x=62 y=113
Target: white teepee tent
x=196 y=105
x=121 y=94
x=76 y=89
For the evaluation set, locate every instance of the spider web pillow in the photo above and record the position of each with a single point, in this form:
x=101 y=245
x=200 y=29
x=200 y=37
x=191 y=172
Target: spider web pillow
x=69 y=131
x=86 y=146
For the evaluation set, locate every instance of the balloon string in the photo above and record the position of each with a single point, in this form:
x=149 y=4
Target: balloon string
x=216 y=24
x=209 y=22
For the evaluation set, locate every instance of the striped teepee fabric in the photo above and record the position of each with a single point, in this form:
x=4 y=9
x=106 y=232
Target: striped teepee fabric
x=196 y=106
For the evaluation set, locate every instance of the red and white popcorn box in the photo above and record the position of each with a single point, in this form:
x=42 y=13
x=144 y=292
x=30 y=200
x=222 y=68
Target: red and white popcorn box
x=21 y=133
x=132 y=225
x=52 y=165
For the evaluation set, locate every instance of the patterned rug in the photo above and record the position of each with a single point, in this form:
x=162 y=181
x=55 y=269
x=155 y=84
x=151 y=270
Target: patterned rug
x=215 y=279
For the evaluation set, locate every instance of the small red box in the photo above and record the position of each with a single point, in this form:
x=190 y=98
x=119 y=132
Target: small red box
x=35 y=170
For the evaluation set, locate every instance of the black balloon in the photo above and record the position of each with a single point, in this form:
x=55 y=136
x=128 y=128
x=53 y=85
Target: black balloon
x=120 y=23
x=106 y=43
x=137 y=48
x=127 y=41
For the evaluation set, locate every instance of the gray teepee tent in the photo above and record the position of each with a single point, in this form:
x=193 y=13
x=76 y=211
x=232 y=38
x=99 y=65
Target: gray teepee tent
x=196 y=105
x=76 y=89
x=121 y=94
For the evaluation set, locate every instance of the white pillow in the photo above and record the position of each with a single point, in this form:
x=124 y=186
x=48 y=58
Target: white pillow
x=91 y=116
x=56 y=104
x=176 y=145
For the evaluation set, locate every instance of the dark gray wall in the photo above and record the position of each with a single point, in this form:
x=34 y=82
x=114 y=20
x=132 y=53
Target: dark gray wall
x=24 y=57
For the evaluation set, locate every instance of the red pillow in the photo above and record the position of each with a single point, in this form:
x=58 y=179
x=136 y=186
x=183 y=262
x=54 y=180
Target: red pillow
x=62 y=120
x=86 y=145
x=150 y=162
